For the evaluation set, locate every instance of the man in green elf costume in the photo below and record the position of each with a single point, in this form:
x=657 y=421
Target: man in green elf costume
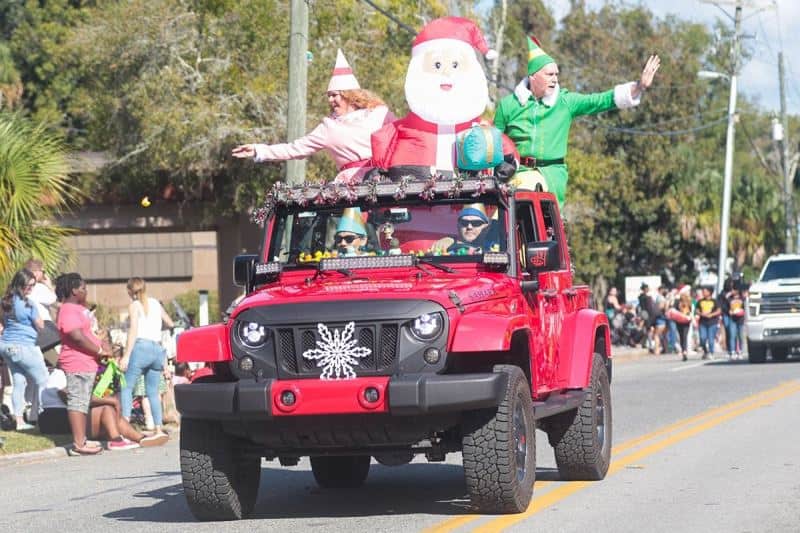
x=538 y=114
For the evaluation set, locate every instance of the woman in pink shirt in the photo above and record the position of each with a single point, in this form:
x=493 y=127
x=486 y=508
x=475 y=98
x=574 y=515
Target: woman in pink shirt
x=345 y=134
x=80 y=352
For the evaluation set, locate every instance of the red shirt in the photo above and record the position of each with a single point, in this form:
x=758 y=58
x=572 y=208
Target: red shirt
x=72 y=358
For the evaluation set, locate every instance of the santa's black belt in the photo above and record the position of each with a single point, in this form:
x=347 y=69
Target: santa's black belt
x=532 y=162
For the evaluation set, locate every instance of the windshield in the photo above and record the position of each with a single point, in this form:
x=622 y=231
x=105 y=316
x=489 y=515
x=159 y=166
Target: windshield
x=454 y=231
x=782 y=269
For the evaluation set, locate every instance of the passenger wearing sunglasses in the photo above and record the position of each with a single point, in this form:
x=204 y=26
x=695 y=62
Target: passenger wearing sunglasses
x=472 y=227
x=351 y=233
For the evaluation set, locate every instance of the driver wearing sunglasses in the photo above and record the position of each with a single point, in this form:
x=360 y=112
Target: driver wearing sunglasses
x=351 y=233
x=472 y=226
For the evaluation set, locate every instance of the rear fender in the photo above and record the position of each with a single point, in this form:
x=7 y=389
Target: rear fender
x=206 y=344
x=583 y=333
x=489 y=328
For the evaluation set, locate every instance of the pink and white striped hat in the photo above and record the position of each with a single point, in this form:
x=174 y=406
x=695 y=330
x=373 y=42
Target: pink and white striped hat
x=342 y=78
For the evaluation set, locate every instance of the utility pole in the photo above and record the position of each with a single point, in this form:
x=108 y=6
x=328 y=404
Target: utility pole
x=726 y=188
x=298 y=85
x=787 y=175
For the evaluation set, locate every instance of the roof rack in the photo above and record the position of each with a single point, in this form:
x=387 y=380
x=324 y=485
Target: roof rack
x=333 y=193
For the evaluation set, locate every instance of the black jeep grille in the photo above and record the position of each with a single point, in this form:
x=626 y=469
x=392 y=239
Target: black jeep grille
x=292 y=342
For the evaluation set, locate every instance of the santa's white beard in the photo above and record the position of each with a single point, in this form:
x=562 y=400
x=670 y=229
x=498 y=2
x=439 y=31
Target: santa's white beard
x=465 y=101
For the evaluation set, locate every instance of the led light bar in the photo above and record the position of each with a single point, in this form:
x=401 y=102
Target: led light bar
x=270 y=268
x=366 y=261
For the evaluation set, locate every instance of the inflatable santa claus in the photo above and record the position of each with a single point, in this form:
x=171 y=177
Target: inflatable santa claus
x=446 y=91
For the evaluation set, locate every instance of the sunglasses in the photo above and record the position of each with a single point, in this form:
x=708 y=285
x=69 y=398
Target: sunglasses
x=346 y=238
x=465 y=223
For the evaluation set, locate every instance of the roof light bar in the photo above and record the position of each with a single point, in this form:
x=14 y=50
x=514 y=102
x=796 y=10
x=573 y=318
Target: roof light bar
x=366 y=261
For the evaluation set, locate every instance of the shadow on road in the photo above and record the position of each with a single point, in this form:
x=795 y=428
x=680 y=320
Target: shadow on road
x=436 y=489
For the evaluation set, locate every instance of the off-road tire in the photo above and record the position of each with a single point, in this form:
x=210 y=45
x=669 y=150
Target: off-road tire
x=581 y=437
x=340 y=472
x=756 y=353
x=780 y=353
x=220 y=481
x=499 y=449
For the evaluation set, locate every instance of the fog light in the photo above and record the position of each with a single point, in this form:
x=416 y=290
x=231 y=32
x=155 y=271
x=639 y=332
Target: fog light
x=288 y=397
x=432 y=356
x=246 y=364
x=371 y=394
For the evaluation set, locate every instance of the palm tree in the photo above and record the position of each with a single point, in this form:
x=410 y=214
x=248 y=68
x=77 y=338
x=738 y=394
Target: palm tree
x=34 y=187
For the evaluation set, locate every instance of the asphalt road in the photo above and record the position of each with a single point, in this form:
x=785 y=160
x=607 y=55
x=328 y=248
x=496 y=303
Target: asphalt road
x=699 y=446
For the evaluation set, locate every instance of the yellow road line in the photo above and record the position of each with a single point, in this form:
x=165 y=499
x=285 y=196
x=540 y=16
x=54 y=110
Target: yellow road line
x=541 y=502
x=498 y=524
x=632 y=443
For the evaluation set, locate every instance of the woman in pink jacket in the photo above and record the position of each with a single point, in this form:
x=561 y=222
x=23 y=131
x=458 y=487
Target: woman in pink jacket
x=345 y=134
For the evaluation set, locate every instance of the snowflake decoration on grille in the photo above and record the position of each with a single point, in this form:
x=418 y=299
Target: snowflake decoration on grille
x=337 y=352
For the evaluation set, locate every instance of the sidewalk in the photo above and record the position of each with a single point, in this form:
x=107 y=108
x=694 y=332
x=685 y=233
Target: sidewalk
x=622 y=354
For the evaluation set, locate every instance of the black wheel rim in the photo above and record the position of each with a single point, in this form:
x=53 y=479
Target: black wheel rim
x=600 y=417
x=520 y=441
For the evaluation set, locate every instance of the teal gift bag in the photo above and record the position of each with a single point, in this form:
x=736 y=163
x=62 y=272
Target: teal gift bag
x=479 y=147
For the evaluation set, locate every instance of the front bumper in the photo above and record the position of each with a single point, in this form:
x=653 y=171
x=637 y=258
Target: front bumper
x=408 y=395
x=774 y=329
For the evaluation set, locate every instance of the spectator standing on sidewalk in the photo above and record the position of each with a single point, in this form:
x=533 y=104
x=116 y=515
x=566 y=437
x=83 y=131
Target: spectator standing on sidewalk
x=724 y=307
x=708 y=313
x=21 y=323
x=612 y=305
x=44 y=296
x=683 y=321
x=735 y=323
x=80 y=352
x=143 y=351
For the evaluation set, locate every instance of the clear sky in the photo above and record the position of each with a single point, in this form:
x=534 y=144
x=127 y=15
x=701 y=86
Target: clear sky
x=776 y=26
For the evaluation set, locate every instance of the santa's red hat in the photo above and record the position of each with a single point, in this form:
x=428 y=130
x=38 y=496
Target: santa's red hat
x=343 y=78
x=451 y=30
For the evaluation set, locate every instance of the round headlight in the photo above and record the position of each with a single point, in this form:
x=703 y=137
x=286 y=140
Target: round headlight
x=428 y=326
x=252 y=334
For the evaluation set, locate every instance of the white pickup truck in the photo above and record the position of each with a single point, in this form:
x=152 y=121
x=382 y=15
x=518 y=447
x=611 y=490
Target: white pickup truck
x=773 y=309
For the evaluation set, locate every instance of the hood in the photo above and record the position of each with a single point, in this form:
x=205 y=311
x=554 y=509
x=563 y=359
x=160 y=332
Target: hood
x=448 y=290
x=777 y=285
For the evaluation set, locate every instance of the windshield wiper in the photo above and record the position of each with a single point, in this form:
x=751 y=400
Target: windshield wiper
x=434 y=264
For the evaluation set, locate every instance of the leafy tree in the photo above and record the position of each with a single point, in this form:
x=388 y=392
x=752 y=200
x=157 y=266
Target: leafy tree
x=33 y=188
x=670 y=208
x=10 y=81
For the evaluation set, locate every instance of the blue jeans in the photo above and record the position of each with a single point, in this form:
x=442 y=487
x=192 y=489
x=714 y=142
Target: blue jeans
x=147 y=357
x=673 y=339
x=734 y=336
x=24 y=360
x=708 y=334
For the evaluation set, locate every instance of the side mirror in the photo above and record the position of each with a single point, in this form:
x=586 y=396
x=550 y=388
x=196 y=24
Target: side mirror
x=244 y=269
x=542 y=256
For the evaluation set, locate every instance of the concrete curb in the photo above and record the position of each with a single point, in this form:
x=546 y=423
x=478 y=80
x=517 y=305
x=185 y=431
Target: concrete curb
x=32 y=457
x=623 y=354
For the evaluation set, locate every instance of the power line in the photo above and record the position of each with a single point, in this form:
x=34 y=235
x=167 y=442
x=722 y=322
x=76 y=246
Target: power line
x=391 y=17
x=652 y=133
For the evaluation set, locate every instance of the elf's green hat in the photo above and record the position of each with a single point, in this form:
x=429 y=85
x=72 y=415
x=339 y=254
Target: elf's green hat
x=537 y=58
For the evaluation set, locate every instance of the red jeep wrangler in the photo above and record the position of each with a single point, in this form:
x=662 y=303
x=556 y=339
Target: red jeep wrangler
x=438 y=317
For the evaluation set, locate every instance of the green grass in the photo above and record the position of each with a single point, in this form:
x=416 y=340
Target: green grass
x=30 y=441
